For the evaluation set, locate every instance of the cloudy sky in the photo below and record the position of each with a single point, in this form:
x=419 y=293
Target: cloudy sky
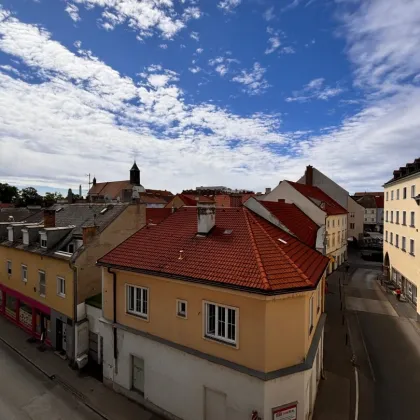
x=242 y=93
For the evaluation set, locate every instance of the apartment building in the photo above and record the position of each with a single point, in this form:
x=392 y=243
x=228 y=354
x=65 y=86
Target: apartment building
x=323 y=210
x=316 y=178
x=216 y=314
x=401 y=236
x=49 y=268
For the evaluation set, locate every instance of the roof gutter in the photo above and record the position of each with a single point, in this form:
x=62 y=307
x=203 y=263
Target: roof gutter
x=214 y=283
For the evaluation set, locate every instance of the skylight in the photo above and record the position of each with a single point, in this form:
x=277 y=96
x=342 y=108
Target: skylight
x=227 y=231
x=282 y=241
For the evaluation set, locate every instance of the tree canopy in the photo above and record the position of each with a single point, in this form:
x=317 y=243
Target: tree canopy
x=8 y=193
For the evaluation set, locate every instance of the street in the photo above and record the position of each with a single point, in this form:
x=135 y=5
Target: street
x=25 y=393
x=386 y=341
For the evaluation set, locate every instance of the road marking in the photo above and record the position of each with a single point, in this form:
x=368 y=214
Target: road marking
x=356 y=408
x=365 y=347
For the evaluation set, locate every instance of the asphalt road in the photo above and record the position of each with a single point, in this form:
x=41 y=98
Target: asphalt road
x=26 y=394
x=387 y=346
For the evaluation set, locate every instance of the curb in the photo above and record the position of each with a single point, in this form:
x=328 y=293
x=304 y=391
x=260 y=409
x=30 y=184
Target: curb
x=59 y=381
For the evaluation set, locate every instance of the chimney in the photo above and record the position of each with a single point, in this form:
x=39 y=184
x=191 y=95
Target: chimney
x=70 y=196
x=309 y=175
x=268 y=190
x=206 y=217
x=94 y=181
x=49 y=218
x=89 y=233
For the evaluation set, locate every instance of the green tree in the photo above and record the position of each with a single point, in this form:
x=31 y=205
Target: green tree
x=51 y=198
x=8 y=193
x=30 y=197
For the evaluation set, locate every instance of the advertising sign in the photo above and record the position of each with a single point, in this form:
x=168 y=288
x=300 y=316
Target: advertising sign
x=285 y=412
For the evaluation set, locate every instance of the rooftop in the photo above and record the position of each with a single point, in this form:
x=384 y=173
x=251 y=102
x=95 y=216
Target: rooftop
x=317 y=196
x=294 y=219
x=242 y=251
x=405 y=171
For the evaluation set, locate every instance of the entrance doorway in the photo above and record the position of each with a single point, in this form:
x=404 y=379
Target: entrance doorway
x=137 y=374
x=61 y=335
x=215 y=405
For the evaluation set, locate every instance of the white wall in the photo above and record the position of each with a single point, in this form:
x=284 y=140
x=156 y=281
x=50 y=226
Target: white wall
x=285 y=191
x=175 y=380
x=93 y=314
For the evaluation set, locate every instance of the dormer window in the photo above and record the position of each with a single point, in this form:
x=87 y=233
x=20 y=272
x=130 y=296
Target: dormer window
x=70 y=248
x=43 y=240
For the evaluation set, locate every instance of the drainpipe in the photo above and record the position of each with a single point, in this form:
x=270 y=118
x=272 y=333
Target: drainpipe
x=114 y=307
x=74 y=268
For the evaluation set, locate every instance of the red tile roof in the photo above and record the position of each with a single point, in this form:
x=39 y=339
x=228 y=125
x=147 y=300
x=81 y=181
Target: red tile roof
x=294 y=219
x=155 y=215
x=316 y=195
x=6 y=205
x=191 y=199
x=111 y=189
x=379 y=199
x=251 y=256
x=152 y=199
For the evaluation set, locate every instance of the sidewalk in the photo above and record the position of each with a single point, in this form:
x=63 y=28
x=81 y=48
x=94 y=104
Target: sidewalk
x=335 y=399
x=102 y=400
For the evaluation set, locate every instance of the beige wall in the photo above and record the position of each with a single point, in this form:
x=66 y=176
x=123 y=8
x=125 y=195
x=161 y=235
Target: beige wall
x=356 y=217
x=127 y=223
x=406 y=264
x=336 y=228
x=53 y=267
x=176 y=203
x=273 y=332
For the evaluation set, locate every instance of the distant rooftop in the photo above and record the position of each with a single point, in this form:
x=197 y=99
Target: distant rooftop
x=405 y=171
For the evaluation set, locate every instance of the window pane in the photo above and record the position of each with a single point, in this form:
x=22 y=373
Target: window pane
x=138 y=300
x=130 y=291
x=145 y=301
x=221 y=328
x=211 y=319
x=231 y=324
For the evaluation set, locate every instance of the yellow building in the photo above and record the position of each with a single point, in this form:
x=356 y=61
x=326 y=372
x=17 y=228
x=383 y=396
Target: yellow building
x=401 y=231
x=49 y=268
x=214 y=314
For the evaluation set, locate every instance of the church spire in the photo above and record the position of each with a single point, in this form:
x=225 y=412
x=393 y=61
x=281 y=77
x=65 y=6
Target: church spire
x=135 y=175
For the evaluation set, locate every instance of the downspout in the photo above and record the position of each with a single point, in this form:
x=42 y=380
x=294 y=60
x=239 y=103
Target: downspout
x=74 y=269
x=114 y=307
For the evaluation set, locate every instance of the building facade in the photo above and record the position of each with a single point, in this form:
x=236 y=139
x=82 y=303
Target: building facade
x=324 y=211
x=355 y=219
x=49 y=269
x=401 y=230
x=207 y=338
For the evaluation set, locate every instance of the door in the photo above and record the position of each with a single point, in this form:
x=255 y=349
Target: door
x=64 y=338
x=59 y=334
x=215 y=405
x=138 y=374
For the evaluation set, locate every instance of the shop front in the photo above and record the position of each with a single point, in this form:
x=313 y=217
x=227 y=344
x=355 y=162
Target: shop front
x=27 y=313
x=408 y=289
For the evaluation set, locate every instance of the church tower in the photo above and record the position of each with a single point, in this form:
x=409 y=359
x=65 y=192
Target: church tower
x=135 y=175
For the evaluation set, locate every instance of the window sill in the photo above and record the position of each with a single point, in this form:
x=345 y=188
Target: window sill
x=220 y=341
x=138 y=316
x=43 y=296
x=412 y=226
x=180 y=315
x=61 y=295
x=403 y=250
x=412 y=254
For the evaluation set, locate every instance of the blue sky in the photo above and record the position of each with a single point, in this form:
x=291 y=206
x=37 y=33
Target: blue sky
x=242 y=93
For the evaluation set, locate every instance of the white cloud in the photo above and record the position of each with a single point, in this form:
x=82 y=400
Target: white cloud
x=253 y=81
x=195 y=69
x=291 y=5
x=195 y=36
x=145 y=16
x=229 y=5
x=269 y=14
x=222 y=64
x=287 y=50
x=163 y=46
x=315 y=89
x=222 y=69
x=274 y=43
x=73 y=12
x=199 y=50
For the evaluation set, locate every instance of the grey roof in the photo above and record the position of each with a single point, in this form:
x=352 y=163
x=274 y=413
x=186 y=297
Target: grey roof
x=85 y=214
x=19 y=214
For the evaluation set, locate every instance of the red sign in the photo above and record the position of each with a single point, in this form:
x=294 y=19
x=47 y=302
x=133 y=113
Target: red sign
x=285 y=412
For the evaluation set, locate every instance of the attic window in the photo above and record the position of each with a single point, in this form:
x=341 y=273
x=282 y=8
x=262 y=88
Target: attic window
x=103 y=211
x=282 y=241
x=227 y=231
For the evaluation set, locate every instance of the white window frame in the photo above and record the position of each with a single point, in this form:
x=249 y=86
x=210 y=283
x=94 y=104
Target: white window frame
x=179 y=312
x=404 y=218
x=45 y=283
x=412 y=219
x=412 y=247
x=413 y=191
x=217 y=336
x=397 y=217
x=404 y=193
x=43 y=240
x=387 y=196
x=24 y=273
x=397 y=240
x=60 y=292
x=9 y=267
x=398 y=194
x=392 y=194
x=132 y=309
x=311 y=314
x=403 y=243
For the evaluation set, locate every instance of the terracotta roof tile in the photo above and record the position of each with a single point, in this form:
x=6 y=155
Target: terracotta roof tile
x=251 y=256
x=156 y=215
x=111 y=189
x=316 y=195
x=294 y=219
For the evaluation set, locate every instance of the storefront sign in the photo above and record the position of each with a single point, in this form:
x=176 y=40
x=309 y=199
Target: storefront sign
x=285 y=412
